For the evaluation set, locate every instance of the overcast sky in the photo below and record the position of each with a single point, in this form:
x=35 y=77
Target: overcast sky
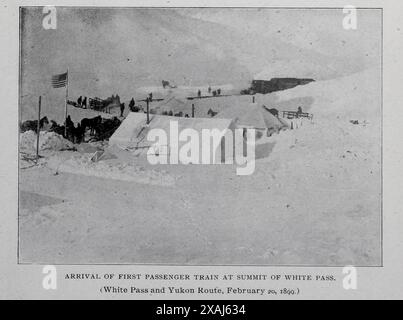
x=111 y=51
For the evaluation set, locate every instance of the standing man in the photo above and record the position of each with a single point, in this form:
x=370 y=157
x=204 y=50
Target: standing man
x=299 y=110
x=85 y=103
x=122 y=109
x=131 y=105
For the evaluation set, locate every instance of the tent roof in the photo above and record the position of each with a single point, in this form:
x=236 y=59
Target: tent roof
x=252 y=115
x=171 y=101
x=174 y=103
x=134 y=129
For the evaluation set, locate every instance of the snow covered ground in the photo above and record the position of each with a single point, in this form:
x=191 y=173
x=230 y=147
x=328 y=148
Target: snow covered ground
x=315 y=200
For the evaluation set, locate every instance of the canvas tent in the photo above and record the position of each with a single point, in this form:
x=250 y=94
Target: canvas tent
x=132 y=134
x=175 y=104
x=252 y=116
x=259 y=118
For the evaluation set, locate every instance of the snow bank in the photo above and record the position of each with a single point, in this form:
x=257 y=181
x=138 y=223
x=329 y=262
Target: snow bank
x=47 y=141
x=81 y=164
x=331 y=157
x=328 y=155
x=357 y=96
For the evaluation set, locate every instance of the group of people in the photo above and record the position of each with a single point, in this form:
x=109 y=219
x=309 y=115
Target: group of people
x=210 y=91
x=133 y=107
x=179 y=114
x=73 y=133
x=82 y=102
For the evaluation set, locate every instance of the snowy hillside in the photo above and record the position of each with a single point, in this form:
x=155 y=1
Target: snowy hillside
x=357 y=96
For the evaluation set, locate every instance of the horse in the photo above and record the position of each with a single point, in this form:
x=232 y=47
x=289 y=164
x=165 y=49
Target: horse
x=76 y=134
x=53 y=124
x=165 y=84
x=33 y=124
x=91 y=124
x=56 y=128
x=179 y=114
x=107 y=127
x=211 y=113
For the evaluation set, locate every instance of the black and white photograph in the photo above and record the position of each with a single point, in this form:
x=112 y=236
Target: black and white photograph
x=211 y=136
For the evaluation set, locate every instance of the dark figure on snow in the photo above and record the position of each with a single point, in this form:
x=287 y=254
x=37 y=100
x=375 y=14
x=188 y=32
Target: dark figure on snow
x=57 y=128
x=199 y=94
x=132 y=103
x=211 y=112
x=93 y=124
x=80 y=101
x=78 y=134
x=218 y=92
x=68 y=122
x=33 y=124
x=299 y=112
x=69 y=129
x=122 y=109
x=150 y=97
x=209 y=89
x=84 y=103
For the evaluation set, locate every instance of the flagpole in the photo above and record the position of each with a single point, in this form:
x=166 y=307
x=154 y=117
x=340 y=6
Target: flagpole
x=38 y=128
x=65 y=104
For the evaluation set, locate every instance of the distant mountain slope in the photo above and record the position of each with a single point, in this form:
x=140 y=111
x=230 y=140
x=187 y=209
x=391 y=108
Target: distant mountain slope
x=111 y=51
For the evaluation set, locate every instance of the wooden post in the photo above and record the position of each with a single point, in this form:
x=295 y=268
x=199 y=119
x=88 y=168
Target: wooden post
x=38 y=128
x=253 y=99
x=148 y=111
x=65 y=105
x=193 y=110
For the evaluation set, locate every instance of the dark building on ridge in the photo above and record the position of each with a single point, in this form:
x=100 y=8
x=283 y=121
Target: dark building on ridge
x=276 y=84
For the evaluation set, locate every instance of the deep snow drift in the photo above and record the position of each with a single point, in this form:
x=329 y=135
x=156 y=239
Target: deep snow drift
x=48 y=141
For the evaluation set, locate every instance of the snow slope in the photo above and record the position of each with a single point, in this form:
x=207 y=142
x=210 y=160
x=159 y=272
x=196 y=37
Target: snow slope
x=357 y=96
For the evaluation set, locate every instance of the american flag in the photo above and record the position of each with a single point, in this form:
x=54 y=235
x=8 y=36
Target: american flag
x=59 y=80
